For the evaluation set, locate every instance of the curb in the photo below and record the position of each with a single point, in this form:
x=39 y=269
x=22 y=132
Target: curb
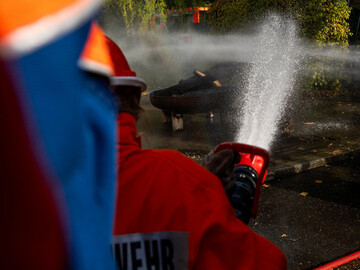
x=308 y=165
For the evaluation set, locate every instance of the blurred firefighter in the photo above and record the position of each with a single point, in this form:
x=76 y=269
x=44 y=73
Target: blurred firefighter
x=57 y=150
x=171 y=213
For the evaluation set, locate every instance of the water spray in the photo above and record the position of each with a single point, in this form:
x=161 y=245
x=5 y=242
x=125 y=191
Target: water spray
x=270 y=83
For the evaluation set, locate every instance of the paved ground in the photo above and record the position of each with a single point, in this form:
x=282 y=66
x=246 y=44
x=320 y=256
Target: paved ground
x=321 y=132
x=314 y=216
x=296 y=214
x=330 y=134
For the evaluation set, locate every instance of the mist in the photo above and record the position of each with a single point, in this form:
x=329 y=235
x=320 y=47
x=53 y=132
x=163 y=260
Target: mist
x=162 y=58
x=277 y=54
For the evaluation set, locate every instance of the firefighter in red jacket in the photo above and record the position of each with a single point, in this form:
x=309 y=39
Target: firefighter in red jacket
x=170 y=212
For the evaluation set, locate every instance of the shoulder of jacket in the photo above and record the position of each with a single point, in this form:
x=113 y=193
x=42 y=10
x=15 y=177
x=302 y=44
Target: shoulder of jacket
x=178 y=163
x=179 y=160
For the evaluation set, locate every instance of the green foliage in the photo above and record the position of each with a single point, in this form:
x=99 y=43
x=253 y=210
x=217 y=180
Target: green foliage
x=320 y=20
x=135 y=14
x=320 y=81
x=176 y=4
x=326 y=21
x=323 y=21
x=149 y=9
x=228 y=15
x=116 y=9
x=259 y=7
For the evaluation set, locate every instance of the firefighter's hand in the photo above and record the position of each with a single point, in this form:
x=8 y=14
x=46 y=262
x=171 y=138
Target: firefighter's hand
x=222 y=165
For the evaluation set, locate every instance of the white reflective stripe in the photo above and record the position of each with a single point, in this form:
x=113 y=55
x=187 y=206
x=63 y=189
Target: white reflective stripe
x=159 y=250
x=96 y=67
x=26 y=39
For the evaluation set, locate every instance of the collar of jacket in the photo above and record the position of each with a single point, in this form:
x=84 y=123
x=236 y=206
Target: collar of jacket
x=127 y=132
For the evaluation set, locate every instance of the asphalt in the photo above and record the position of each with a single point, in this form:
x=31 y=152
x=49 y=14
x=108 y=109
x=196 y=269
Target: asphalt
x=328 y=132
x=318 y=132
x=325 y=132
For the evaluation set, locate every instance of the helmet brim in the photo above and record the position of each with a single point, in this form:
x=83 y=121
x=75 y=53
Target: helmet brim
x=128 y=81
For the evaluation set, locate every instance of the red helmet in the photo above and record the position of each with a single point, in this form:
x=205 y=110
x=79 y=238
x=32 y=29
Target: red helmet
x=123 y=74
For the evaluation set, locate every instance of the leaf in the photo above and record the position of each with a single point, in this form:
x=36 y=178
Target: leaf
x=294 y=239
x=284 y=235
x=309 y=123
x=304 y=194
x=319 y=136
x=314 y=151
x=318 y=181
x=216 y=83
x=300 y=148
x=266 y=185
x=335 y=152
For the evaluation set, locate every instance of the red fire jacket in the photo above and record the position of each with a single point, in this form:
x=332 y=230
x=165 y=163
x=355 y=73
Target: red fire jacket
x=171 y=213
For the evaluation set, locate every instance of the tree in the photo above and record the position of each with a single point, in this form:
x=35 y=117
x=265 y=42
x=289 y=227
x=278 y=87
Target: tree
x=326 y=21
x=122 y=10
x=321 y=20
x=135 y=14
x=230 y=15
x=176 y=4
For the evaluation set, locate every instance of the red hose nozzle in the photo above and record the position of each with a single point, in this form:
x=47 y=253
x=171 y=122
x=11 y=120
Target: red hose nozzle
x=255 y=157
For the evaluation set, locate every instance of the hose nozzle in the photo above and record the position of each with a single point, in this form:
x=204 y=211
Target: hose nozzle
x=250 y=175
